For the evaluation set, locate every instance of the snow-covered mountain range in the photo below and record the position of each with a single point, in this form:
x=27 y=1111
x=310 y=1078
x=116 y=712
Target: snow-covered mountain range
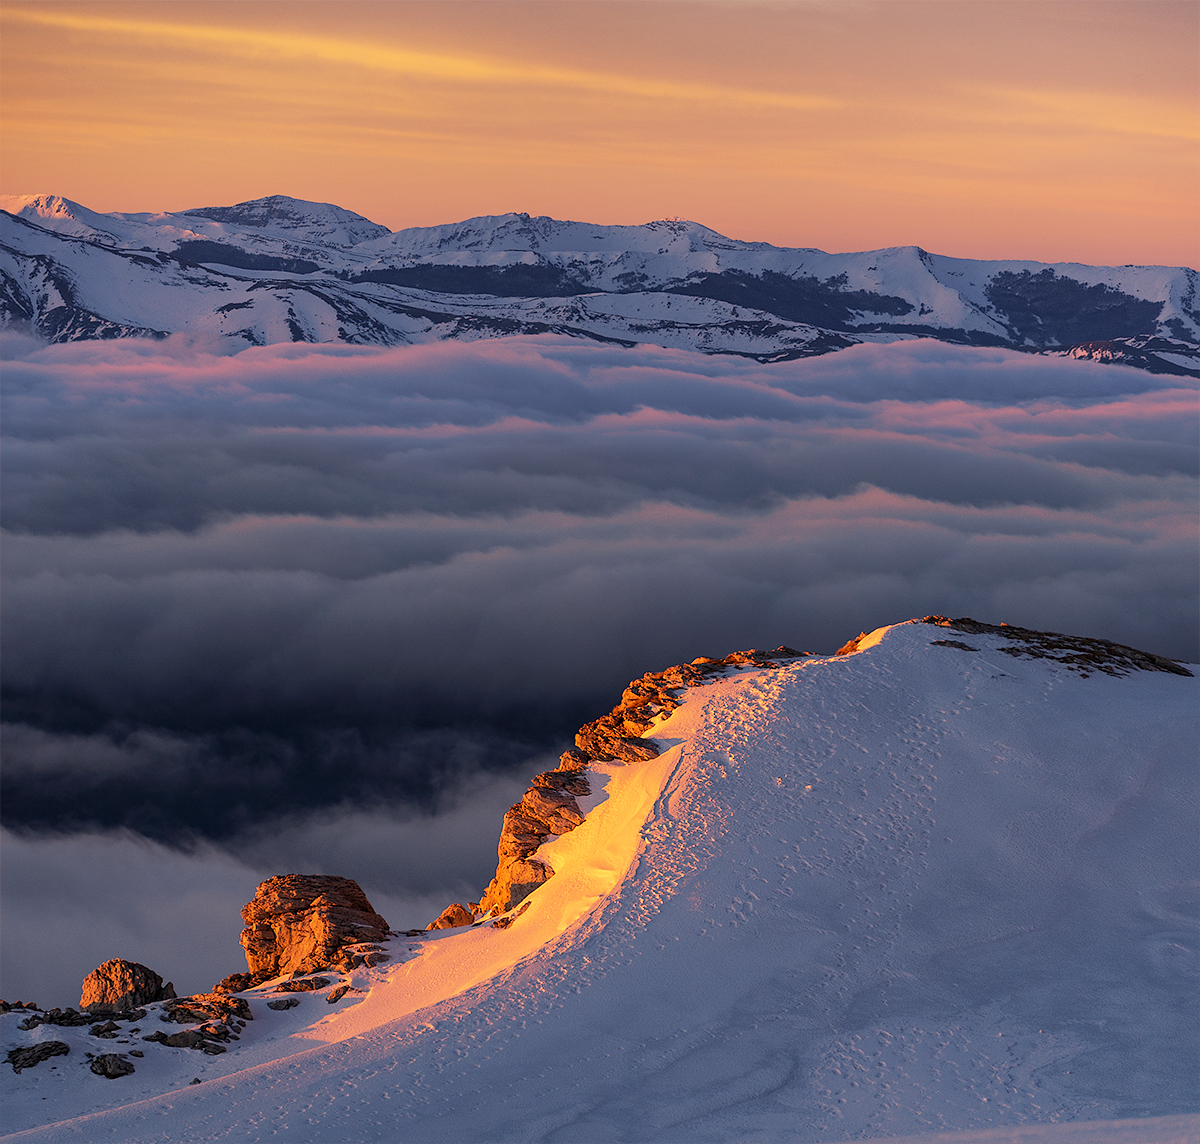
x=279 y=269
x=942 y=881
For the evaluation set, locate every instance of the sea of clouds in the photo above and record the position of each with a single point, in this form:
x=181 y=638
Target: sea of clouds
x=325 y=608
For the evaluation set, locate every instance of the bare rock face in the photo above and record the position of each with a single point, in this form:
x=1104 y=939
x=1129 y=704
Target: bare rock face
x=549 y=808
x=452 y=917
x=118 y=985
x=299 y=923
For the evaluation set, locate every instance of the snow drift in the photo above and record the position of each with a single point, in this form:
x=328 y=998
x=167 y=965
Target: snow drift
x=944 y=880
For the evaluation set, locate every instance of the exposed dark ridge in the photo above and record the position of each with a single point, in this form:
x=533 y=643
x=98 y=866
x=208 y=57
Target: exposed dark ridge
x=223 y=254
x=806 y=299
x=1048 y=309
x=522 y=280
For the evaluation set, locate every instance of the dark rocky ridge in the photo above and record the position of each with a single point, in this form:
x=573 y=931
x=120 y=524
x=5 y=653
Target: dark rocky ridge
x=549 y=807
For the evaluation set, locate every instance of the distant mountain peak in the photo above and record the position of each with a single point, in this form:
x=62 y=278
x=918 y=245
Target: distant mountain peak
x=286 y=215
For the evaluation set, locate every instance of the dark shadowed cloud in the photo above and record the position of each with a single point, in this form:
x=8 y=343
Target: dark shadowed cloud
x=247 y=592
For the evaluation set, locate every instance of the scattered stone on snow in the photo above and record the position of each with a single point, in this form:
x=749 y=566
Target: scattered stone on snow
x=303 y=985
x=284 y=1003
x=188 y=1039
x=1075 y=653
x=505 y=922
x=64 y=1018
x=335 y=995
x=119 y=984
x=201 y=1007
x=30 y=1055
x=112 y=1065
x=9 y=1006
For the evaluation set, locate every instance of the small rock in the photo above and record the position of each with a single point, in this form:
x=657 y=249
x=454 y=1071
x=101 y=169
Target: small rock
x=307 y=985
x=112 y=1065
x=284 y=1003
x=335 y=995
x=194 y=1080
x=30 y=1055
x=188 y=1039
x=136 y=1053
x=107 y=1030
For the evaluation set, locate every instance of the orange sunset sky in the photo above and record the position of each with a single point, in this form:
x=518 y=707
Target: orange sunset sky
x=1048 y=130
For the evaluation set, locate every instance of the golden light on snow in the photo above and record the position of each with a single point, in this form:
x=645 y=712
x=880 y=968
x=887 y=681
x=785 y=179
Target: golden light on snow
x=1047 y=130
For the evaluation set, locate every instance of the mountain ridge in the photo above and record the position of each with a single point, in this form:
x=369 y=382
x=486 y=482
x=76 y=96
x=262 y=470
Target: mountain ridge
x=279 y=269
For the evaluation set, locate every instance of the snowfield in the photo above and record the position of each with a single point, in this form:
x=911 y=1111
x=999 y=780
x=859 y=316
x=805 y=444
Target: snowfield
x=920 y=888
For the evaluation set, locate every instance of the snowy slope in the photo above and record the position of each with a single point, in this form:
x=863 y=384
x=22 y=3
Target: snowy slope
x=280 y=269
x=927 y=885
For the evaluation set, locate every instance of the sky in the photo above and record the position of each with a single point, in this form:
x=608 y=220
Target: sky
x=1059 y=131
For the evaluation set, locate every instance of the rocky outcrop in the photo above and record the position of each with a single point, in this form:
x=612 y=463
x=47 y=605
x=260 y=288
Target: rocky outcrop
x=299 y=923
x=549 y=807
x=1075 y=653
x=452 y=917
x=207 y=1007
x=118 y=985
x=64 y=1018
x=29 y=1055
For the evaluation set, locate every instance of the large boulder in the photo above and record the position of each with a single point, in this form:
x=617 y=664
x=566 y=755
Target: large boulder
x=118 y=985
x=299 y=923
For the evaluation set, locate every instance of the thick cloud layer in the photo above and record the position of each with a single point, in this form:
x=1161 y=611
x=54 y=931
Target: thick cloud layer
x=244 y=589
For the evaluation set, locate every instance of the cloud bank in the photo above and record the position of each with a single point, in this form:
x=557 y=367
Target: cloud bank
x=248 y=591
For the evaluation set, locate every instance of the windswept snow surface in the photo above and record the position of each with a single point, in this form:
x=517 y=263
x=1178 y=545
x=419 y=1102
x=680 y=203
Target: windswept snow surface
x=915 y=889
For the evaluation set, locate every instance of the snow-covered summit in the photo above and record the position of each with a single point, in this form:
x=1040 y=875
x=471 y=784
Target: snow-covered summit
x=314 y=222
x=521 y=232
x=943 y=880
